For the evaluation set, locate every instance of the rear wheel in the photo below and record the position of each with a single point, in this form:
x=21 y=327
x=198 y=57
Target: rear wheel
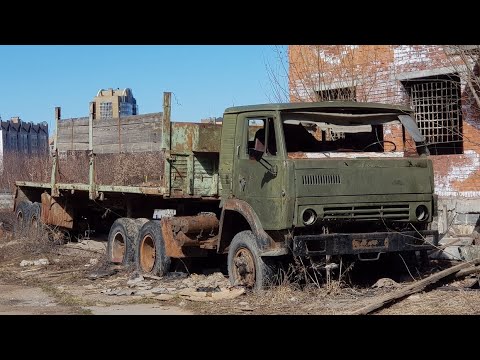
x=33 y=223
x=121 y=241
x=21 y=214
x=245 y=265
x=150 y=255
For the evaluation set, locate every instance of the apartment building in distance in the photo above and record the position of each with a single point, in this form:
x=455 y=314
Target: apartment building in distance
x=114 y=103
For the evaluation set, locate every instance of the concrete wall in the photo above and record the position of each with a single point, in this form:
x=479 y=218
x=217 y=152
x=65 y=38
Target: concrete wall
x=6 y=202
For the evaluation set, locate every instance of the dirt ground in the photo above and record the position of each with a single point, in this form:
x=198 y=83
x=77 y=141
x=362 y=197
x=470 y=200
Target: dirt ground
x=40 y=277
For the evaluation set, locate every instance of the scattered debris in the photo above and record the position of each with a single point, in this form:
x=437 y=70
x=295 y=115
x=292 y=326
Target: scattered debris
x=385 y=283
x=224 y=294
x=34 y=262
x=135 y=281
x=126 y=292
x=102 y=273
x=93 y=261
x=208 y=289
x=175 y=275
x=151 y=277
x=159 y=291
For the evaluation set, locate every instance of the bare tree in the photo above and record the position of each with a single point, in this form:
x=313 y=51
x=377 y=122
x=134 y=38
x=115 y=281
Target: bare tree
x=465 y=61
x=325 y=72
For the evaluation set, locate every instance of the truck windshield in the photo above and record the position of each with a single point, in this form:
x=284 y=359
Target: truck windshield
x=312 y=135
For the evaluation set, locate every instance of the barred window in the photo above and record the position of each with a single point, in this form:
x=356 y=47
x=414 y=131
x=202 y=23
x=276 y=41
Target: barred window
x=437 y=105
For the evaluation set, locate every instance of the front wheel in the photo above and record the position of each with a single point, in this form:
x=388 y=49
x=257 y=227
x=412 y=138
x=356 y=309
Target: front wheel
x=245 y=265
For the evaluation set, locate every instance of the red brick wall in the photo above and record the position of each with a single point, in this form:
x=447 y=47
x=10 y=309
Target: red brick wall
x=374 y=70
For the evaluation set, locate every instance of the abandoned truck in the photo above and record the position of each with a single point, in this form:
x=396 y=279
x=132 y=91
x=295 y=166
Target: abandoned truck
x=270 y=183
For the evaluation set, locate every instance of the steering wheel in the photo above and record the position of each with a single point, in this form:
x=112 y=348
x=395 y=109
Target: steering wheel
x=382 y=142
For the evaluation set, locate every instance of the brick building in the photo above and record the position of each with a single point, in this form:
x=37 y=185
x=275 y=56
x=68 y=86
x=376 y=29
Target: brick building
x=430 y=79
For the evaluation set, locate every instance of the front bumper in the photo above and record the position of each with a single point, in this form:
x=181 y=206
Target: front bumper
x=358 y=243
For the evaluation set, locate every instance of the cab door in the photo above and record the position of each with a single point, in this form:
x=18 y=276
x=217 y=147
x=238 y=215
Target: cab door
x=258 y=176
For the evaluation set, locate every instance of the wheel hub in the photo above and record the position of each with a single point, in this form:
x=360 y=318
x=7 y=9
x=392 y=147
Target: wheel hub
x=118 y=248
x=147 y=254
x=244 y=271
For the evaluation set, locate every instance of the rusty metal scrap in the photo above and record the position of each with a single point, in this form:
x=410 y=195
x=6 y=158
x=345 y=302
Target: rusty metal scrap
x=55 y=212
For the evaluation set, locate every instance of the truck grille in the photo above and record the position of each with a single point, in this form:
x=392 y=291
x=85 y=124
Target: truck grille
x=370 y=212
x=321 y=179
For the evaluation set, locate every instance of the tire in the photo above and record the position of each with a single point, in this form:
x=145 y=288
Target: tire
x=33 y=225
x=121 y=241
x=150 y=257
x=140 y=222
x=245 y=265
x=21 y=213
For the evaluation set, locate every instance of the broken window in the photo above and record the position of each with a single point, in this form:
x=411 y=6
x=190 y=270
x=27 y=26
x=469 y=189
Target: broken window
x=436 y=103
x=261 y=136
x=343 y=94
x=306 y=133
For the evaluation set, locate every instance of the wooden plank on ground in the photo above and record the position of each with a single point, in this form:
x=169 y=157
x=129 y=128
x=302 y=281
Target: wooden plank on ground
x=413 y=288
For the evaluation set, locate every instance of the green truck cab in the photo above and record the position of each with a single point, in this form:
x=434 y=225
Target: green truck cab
x=321 y=179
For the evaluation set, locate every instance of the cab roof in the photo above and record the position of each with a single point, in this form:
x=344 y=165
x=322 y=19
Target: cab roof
x=324 y=106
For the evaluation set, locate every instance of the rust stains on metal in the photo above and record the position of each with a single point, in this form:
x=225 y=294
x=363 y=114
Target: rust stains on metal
x=368 y=244
x=246 y=210
x=188 y=231
x=297 y=155
x=205 y=224
x=183 y=137
x=56 y=212
x=208 y=138
x=172 y=248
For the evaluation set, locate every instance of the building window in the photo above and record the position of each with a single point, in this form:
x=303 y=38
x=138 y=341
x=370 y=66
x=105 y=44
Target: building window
x=126 y=109
x=437 y=105
x=25 y=143
x=13 y=142
x=106 y=110
x=34 y=144
x=345 y=94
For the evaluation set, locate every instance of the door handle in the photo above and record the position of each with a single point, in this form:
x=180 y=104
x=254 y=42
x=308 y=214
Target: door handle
x=238 y=151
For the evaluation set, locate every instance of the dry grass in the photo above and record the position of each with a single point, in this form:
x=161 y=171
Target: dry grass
x=23 y=167
x=144 y=168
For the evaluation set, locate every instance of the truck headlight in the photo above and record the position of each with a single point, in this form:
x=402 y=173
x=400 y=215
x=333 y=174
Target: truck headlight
x=309 y=217
x=421 y=212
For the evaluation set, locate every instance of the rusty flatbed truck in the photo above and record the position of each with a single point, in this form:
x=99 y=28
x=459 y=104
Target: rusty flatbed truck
x=273 y=181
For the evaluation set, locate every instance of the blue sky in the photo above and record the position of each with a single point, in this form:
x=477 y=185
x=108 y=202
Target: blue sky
x=204 y=79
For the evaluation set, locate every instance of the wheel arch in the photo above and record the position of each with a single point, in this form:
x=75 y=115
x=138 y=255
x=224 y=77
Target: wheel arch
x=237 y=215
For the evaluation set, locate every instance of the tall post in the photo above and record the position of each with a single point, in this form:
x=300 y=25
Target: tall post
x=53 y=177
x=167 y=140
x=92 y=194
